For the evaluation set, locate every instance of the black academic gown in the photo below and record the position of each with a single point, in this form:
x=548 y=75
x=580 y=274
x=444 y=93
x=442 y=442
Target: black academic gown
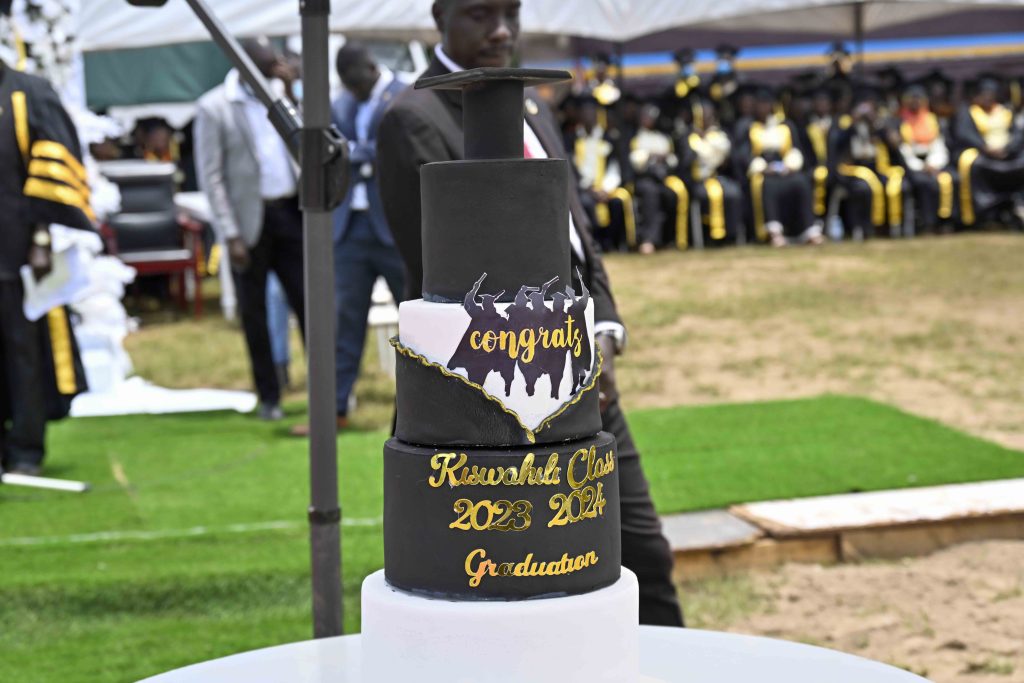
x=986 y=181
x=42 y=181
x=773 y=198
x=874 y=184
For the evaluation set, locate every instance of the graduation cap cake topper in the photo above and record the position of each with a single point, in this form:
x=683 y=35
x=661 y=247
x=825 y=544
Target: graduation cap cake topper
x=494 y=211
x=492 y=106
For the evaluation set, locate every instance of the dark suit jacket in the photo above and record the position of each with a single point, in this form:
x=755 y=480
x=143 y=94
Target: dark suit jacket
x=343 y=114
x=424 y=126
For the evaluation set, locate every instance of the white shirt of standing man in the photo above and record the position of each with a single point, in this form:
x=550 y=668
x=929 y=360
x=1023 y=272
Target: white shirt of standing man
x=277 y=172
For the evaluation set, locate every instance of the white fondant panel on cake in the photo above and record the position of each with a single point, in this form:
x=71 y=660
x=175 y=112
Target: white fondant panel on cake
x=593 y=637
x=441 y=333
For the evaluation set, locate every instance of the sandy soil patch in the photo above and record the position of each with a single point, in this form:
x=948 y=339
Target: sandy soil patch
x=954 y=617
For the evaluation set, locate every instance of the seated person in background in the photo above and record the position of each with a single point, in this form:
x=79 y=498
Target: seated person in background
x=156 y=141
x=658 y=195
x=926 y=158
x=605 y=92
x=767 y=155
x=703 y=155
x=865 y=156
x=991 y=161
x=814 y=131
x=599 y=175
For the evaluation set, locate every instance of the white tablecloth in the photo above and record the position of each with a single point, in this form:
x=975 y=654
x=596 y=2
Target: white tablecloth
x=666 y=655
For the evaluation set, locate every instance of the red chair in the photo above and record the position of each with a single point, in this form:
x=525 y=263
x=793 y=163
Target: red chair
x=149 y=234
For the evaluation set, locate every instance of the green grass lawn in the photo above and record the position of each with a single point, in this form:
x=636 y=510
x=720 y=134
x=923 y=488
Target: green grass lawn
x=193 y=545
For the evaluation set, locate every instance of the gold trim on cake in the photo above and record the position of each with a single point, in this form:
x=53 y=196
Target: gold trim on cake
x=531 y=434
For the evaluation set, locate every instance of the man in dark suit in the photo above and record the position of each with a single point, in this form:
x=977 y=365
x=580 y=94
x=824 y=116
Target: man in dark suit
x=363 y=247
x=424 y=126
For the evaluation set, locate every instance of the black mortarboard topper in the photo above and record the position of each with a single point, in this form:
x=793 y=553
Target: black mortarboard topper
x=492 y=106
x=5 y=7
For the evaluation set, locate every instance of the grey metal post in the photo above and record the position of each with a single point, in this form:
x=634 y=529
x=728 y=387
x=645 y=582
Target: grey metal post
x=324 y=511
x=858 y=35
x=322 y=153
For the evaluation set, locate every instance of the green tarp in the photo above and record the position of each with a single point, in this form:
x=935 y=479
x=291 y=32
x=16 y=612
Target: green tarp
x=175 y=73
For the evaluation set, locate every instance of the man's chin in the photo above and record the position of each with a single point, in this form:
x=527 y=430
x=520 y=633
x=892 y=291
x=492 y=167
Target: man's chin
x=496 y=61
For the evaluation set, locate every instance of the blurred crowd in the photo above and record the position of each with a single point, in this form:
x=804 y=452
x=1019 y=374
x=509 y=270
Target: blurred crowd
x=721 y=158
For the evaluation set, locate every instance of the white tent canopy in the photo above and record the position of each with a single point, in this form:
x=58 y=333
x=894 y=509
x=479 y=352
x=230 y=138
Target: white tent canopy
x=113 y=24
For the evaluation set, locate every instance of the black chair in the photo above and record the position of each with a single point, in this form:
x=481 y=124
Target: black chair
x=148 y=233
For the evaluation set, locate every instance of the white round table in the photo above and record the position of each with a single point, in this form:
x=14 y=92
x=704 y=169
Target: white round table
x=668 y=655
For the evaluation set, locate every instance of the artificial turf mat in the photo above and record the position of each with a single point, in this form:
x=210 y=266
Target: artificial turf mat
x=192 y=544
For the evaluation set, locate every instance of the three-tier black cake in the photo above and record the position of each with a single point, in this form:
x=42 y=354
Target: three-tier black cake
x=499 y=486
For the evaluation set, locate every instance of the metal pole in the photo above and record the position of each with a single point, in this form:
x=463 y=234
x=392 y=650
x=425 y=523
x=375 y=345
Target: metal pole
x=324 y=510
x=858 y=35
x=282 y=113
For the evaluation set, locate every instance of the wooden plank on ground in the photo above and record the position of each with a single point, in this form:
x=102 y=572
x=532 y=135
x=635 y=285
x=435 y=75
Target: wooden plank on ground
x=922 y=539
x=765 y=553
x=832 y=514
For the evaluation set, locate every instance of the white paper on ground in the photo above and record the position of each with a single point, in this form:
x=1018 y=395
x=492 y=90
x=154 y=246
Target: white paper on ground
x=136 y=396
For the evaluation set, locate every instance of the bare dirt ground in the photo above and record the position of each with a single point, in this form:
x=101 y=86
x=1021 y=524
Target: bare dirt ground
x=933 y=326
x=954 y=617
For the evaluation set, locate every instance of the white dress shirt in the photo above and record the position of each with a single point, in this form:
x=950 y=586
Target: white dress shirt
x=364 y=117
x=277 y=175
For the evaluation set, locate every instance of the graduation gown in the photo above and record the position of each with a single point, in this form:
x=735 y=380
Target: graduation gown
x=871 y=171
x=926 y=158
x=42 y=182
x=786 y=198
x=702 y=157
x=987 y=181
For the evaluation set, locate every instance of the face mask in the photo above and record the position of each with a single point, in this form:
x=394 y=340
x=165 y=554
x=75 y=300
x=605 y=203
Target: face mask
x=724 y=66
x=297 y=90
x=688 y=70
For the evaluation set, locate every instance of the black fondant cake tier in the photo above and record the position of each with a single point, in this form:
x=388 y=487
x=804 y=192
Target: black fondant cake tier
x=506 y=218
x=440 y=408
x=504 y=523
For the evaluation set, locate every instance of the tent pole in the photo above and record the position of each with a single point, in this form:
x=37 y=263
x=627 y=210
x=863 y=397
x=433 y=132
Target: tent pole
x=858 y=35
x=324 y=509
x=323 y=155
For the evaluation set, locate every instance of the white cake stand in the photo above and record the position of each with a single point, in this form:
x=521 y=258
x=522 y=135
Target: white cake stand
x=666 y=655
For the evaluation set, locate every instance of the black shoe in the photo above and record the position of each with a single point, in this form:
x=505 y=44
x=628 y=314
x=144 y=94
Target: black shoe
x=25 y=468
x=270 y=412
